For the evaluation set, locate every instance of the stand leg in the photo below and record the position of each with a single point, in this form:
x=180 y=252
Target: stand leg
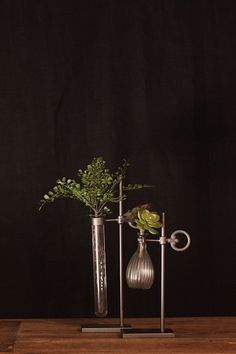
x=121 y=253
x=162 y=316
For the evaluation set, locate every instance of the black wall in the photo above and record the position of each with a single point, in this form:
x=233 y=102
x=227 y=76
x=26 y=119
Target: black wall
x=151 y=81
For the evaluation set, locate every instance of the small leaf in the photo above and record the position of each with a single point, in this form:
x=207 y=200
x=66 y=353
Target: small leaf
x=152 y=231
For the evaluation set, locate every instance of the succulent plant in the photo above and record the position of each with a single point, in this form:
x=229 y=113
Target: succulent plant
x=147 y=221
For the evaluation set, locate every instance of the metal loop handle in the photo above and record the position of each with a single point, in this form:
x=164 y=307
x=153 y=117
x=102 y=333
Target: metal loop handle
x=132 y=225
x=174 y=240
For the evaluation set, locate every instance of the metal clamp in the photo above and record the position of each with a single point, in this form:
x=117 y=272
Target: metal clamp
x=132 y=225
x=173 y=240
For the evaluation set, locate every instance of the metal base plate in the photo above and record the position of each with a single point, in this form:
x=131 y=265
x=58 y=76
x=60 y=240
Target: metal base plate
x=111 y=328
x=147 y=333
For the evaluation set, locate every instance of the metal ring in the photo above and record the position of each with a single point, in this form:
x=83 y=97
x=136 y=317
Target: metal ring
x=173 y=240
x=132 y=225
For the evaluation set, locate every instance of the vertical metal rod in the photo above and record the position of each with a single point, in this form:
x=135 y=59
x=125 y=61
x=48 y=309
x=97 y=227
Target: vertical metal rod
x=121 y=251
x=162 y=317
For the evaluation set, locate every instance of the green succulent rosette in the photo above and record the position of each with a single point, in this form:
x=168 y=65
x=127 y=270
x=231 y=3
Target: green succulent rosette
x=148 y=221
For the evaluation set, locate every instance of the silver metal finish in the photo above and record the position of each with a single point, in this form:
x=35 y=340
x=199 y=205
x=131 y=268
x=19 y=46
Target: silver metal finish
x=132 y=225
x=101 y=328
x=140 y=270
x=99 y=266
x=140 y=274
x=110 y=220
x=162 y=243
x=173 y=240
x=163 y=240
x=147 y=333
x=121 y=251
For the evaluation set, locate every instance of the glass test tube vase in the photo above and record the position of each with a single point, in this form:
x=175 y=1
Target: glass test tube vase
x=99 y=266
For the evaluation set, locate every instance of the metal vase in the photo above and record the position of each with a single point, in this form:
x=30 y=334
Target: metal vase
x=140 y=271
x=99 y=266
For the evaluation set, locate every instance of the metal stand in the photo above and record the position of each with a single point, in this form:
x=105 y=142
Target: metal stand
x=126 y=330
x=103 y=328
x=147 y=333
x=161 y=332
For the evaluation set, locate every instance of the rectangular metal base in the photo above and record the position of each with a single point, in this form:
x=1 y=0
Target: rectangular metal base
x=147 y=333
x=100 y=328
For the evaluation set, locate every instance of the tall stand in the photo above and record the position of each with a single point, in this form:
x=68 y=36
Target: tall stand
x=121 y=251
x=163 y=244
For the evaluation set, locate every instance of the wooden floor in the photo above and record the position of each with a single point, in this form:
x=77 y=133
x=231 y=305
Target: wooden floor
x=193 y=335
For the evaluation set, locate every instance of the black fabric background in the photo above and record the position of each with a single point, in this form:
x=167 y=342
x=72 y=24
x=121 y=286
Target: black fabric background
x=151 y=81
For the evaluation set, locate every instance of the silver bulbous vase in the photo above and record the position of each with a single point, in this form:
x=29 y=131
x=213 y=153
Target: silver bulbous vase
x=99 y=266
x=140 y=271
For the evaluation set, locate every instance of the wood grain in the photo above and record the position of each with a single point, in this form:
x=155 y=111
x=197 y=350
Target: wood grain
x=8 y=332
x=193 y=336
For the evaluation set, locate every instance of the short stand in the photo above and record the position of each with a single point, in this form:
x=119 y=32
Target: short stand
x=147 y=333
x=162 y=332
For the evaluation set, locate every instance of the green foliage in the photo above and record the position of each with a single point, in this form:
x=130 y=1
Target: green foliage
x=135 y=186
x=148 y=221
x=96 y=187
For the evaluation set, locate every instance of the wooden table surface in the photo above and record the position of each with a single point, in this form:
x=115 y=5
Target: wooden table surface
x=193 y=335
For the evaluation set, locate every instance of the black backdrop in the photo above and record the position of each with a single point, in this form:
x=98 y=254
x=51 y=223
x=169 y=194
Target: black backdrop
x=151 y=81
